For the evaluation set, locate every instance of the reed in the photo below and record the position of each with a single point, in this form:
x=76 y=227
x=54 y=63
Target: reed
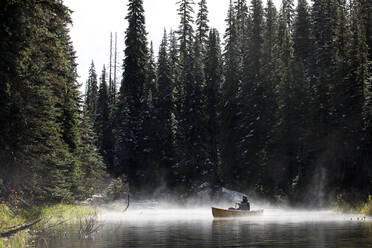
x=9 y=220
x=89 y=225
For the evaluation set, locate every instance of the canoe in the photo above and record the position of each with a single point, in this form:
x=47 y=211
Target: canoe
x=224 y=213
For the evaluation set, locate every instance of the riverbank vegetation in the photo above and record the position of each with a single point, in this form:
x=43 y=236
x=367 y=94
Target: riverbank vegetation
x=9 y=220
x=51 y=220
x=367 y=207
x=361 y=207
x=279 y=107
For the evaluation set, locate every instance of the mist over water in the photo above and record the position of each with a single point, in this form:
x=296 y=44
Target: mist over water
x=153 y=224
x=204 y=213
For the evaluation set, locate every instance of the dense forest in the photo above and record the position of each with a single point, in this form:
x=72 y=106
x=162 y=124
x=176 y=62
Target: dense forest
x=279 y=107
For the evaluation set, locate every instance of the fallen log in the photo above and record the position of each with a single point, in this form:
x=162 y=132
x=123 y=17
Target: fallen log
x=14 y=231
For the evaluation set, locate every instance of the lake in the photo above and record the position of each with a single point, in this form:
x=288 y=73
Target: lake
x=197 y=228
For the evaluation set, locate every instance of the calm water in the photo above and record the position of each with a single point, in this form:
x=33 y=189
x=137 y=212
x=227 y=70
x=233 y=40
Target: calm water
x=197 y=228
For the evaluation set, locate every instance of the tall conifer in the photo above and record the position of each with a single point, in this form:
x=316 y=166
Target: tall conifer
x=130 y=148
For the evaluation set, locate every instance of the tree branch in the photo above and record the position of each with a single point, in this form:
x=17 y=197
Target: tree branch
x=23 y=227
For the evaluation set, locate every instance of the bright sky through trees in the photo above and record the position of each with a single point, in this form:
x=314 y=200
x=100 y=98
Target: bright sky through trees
x=93 y=23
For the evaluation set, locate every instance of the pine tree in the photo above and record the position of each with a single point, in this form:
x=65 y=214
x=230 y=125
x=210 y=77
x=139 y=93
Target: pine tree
x=301 y=35
x=151 y=77
x=251 y=123
x=266 y=178
x=89 y=178
x=356 y=109
x=329 y=58
x=213 y=77
x=287 y=103
x=243 y=24
x=91 y=92
x=44 y=153
x=302 y=52
x=163 y=107
x=202 y=25
x=151 y=172
x=195 y=121
x=230 y=109
x=365 y=7
x=102 y=125
x=242 y=16
x=288 y=12
x=192 y=155
x=130 y=151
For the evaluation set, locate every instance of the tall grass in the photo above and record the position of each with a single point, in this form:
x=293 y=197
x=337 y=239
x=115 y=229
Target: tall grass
x=54 y=218
x=8 y=221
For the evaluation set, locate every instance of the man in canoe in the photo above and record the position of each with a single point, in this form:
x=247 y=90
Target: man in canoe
x=244 y=204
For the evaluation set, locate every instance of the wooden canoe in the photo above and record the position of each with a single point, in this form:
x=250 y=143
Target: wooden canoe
x=224 y=213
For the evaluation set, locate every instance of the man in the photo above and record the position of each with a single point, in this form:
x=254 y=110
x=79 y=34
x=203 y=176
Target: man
x=244 y=205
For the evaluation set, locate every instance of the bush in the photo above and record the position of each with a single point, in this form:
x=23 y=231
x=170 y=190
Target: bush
x=367 y=207
x=117 y=189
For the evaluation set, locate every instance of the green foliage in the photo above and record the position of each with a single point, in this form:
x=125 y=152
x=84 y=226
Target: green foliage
x=9 y=220
x=367 y=207
x=345 y=206
x=285 y=110
x=202 y=25
x=131 y=147
x=41 y=142
x=230 y=101
x=91 y=95
x=117 y=189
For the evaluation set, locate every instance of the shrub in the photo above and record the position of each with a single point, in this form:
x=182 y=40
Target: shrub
x=367 y=207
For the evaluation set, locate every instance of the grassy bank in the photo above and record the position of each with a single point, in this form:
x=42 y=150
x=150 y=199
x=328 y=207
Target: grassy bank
x=8 y=220
x=53 y=217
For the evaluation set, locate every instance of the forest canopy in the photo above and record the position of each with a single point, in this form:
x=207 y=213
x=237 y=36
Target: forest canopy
x=278 y=107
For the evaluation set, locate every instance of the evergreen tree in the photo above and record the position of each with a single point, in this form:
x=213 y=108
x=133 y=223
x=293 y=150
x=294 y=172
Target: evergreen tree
x=302 y=53
x=163 y=108
x=130 y=151
x=202 y=25
x=89 y=178
x=356 y=110
x=243 y=28
x=301 y=35
x=150 y=172
x=91 y=92
x=288 y=12
x=252 y=125
x=151 y=77
x=191 y=118
x=230 y=109
x=102 y=124
x=288 y=113
x=365 y=11
x=242 y=17
x=266 y=178
x=213 y=77
x=43 y=155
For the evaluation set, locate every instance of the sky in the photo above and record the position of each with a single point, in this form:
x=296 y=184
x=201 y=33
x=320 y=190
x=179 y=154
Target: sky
x=94 y=20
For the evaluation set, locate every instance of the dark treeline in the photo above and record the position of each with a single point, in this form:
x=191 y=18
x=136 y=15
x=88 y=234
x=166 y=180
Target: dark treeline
x=283 y=111
x=279 y=107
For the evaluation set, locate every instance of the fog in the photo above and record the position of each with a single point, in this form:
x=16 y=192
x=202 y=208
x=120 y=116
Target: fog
x=155 y=211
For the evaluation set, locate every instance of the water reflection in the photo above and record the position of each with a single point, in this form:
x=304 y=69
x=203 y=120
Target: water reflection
x=197 y=228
